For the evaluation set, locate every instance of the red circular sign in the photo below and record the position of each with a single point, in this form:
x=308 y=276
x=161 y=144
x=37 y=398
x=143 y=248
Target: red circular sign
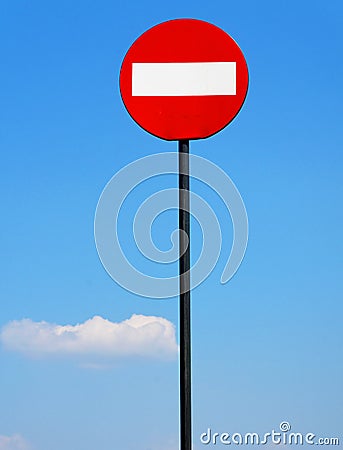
x=184 y=79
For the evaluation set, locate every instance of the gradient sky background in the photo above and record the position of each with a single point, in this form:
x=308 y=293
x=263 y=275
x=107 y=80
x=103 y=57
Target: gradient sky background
x=267 y=346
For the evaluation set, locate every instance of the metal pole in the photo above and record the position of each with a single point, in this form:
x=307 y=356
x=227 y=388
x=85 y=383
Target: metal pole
x=185 y=307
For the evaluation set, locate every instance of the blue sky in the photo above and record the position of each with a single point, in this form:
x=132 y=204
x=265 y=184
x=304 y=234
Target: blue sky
x=267 y=346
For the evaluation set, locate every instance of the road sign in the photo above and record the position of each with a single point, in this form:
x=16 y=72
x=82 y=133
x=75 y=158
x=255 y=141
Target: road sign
x=184 y=79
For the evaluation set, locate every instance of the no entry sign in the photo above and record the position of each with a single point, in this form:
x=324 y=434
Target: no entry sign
x=184 y=79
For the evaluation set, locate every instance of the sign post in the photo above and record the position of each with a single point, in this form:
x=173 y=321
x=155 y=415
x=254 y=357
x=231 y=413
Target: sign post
x=184 y=79
x=185 y=299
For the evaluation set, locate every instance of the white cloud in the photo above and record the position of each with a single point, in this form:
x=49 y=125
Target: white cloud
x=142 y=336
x=15 y=442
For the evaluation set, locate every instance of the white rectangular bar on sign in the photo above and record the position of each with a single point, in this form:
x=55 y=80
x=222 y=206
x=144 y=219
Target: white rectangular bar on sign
x=183 y=79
